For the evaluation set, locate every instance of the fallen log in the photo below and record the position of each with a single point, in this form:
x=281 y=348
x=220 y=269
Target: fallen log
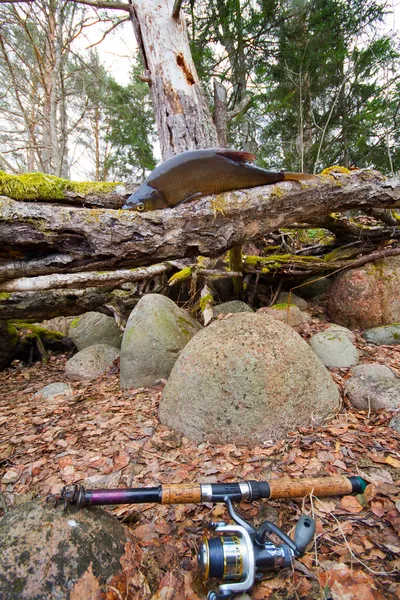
x=89 y=250
x=86 y=279
x=46 y=304
x=206 y=227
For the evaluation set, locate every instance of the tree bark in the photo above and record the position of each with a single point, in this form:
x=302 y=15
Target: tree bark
x=46 y=304
x=79 y=280
x=207 y=227
x=182 y=114
x=37 y=306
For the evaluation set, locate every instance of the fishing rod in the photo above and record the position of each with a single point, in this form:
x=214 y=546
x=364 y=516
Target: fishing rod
x=197 y=493
x=239 y=554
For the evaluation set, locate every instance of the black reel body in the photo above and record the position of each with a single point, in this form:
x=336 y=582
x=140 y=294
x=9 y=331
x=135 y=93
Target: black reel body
x=240 y=554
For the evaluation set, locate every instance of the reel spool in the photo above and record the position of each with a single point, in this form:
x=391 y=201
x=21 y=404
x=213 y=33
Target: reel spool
x=240 y=554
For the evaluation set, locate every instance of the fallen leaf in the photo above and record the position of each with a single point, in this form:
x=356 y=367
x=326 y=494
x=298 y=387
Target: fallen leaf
x=351 y=504
x=393 y=462
x=347 y=583
x=87 y=587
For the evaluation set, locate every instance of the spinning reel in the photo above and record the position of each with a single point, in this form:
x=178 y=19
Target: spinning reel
x=240 y=554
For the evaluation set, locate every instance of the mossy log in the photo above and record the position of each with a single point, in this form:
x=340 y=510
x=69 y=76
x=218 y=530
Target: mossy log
x=294 y=265
x=28 y=342
x=39 y=187
x=209 y=226
x=40 y=239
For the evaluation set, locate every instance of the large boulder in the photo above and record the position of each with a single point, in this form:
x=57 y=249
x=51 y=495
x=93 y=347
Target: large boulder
x=368 y=296
x=45 y=552
x=246 y=379
x=94 y=328
x=91 y=363
x=156 y=332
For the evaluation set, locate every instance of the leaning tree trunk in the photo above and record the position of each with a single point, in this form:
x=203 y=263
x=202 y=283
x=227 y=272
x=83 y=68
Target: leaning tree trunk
x=183 y=117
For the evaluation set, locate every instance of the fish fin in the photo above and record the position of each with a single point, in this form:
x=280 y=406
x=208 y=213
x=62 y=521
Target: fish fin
x=191 y=197
x=298 y=176
x=237 y=155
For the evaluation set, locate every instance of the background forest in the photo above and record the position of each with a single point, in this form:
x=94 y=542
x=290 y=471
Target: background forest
x=309 y=83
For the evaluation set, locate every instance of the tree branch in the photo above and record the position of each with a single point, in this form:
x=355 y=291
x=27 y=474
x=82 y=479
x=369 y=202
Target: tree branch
x=176 y=9
x=107 y=5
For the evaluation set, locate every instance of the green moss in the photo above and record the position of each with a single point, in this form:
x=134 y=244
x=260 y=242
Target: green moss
x=207 y=299
x=278 y=259
x=253 y=261
x=12 y=332
x=396 y=336
x=277 y=192
x=36 y=331
x=218 y=204
x=39 y=186
x=202 y=262
x=283 y=306
x=335 y=169
x=4 y=296
x=181 y=275
x=74 y=323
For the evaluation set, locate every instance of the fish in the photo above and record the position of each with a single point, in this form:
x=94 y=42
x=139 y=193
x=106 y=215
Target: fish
x=197 y=173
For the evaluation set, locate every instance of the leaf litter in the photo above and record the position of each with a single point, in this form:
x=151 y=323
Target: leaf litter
x=107 y=437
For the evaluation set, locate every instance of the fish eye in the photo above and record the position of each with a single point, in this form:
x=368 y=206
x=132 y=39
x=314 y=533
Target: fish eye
x=140 y=207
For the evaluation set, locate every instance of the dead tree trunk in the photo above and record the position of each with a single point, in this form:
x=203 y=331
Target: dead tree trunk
x=182 y=115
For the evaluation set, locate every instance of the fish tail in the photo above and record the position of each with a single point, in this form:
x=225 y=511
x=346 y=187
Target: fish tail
x=287 y=176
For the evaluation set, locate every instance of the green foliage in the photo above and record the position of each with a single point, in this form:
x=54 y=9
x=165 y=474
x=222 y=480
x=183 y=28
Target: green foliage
x=131 y=127
x=323 y=79
x=328 y=99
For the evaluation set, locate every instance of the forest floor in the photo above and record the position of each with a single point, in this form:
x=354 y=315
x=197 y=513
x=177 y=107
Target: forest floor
x=113 y=436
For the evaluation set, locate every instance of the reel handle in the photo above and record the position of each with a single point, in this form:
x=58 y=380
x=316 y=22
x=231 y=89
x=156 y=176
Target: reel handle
x=304 y=533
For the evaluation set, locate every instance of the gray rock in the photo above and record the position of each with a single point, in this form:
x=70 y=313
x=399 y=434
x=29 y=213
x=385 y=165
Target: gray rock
x=388 y=335
x=287 y=313
x=59 y=324
x=51 y=391
x=374 y=386
x=233 y=306
x=246 y=379
x=45 y=551
x=395 y=422
x=155 y=333
x=314 y=286
x=94 y=328
x=283 y=298
x=334 y=328
x=91 y=362
x=334 y=348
